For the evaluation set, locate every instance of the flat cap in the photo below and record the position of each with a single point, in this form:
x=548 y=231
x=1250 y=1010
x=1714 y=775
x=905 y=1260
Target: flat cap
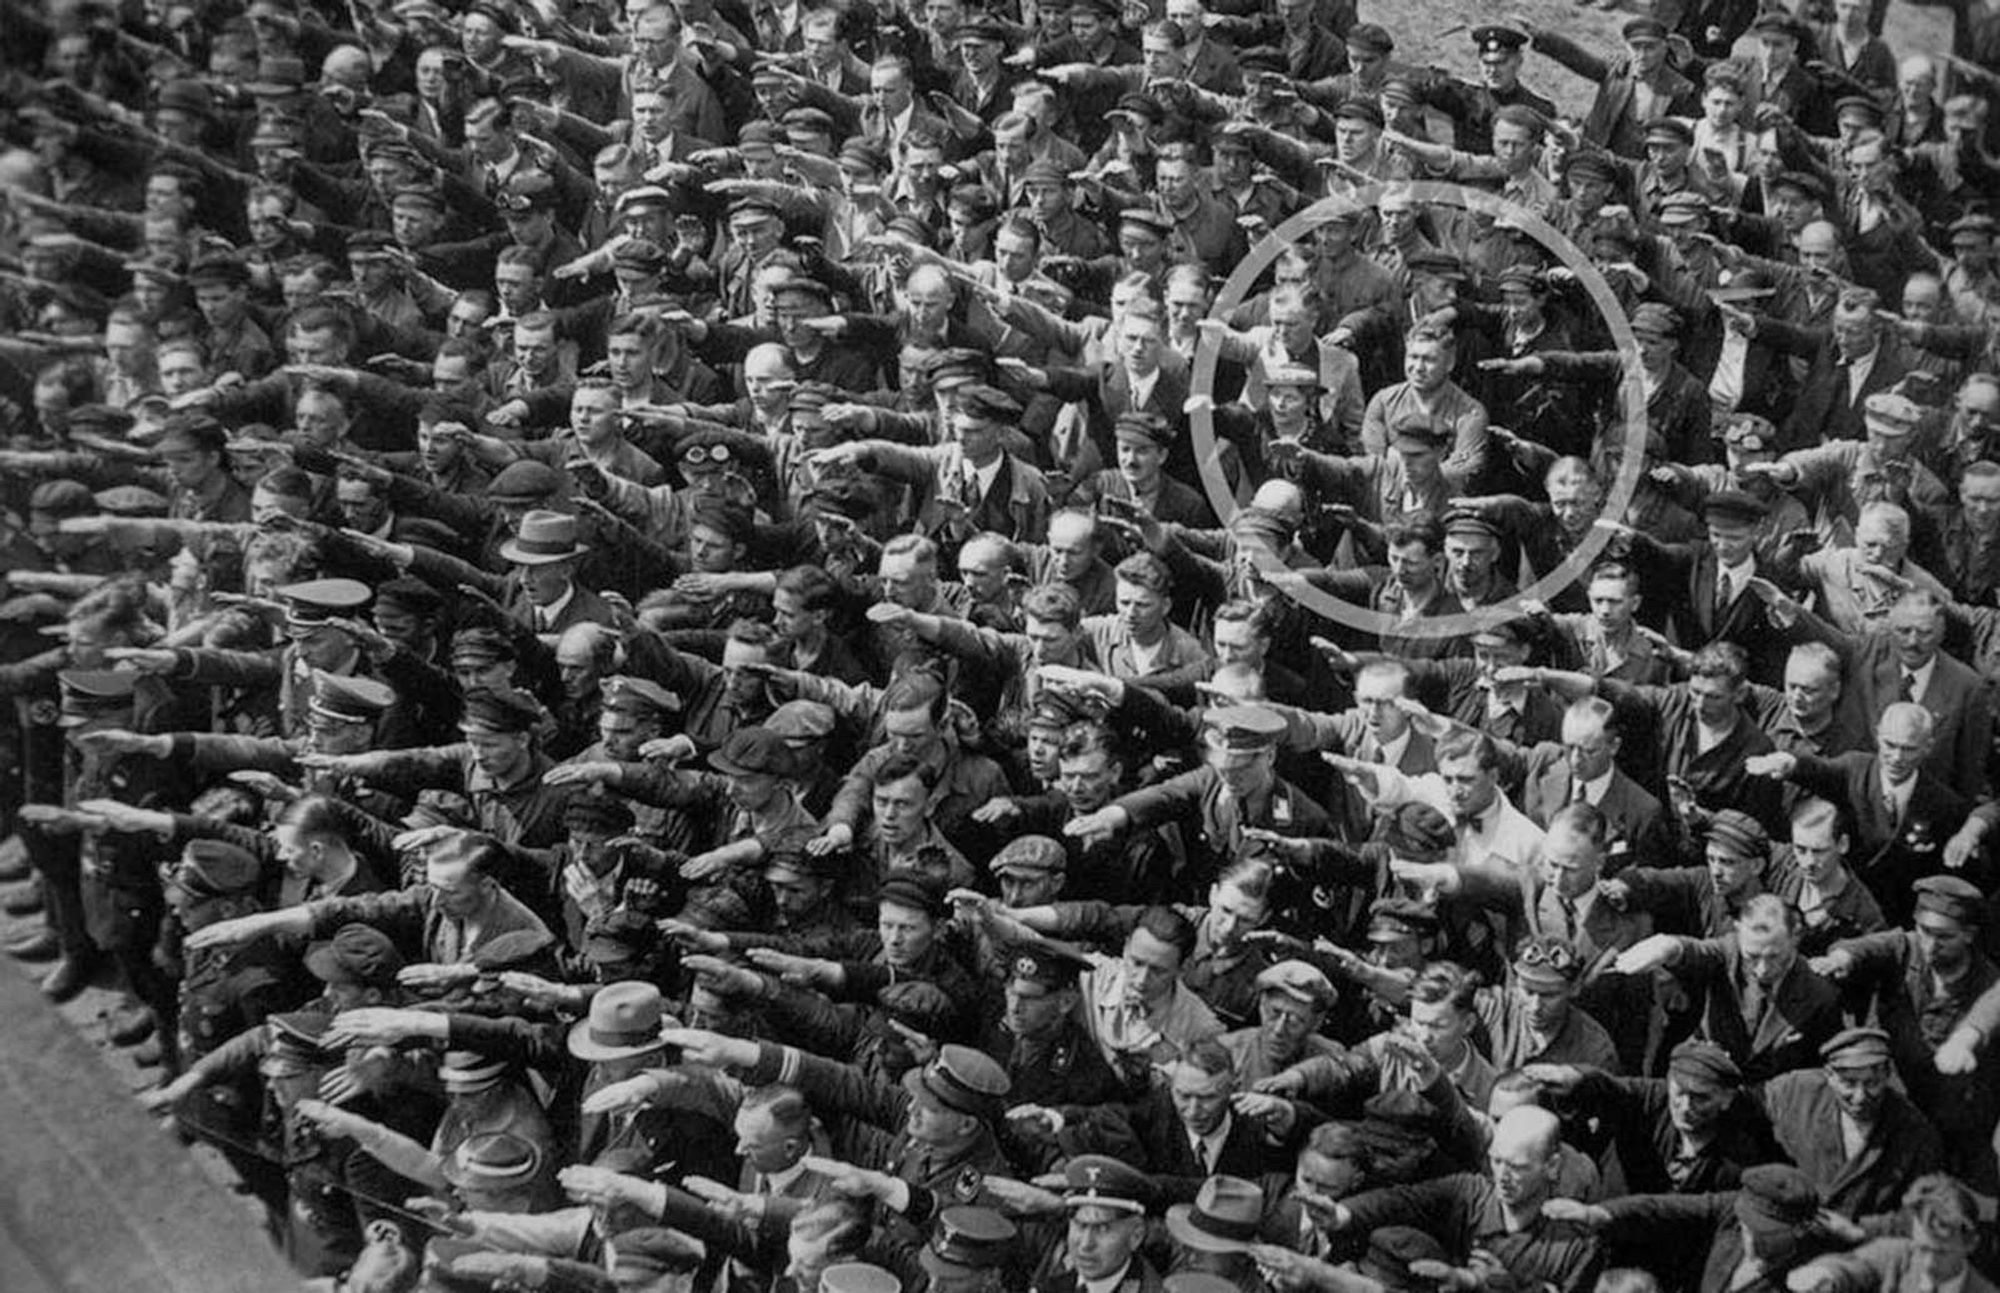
x=1372 y=38
x=357 y=954
x=753 y=752
x=1680 y=209
x=1891 y=414
x=1417 y=831
x=1300 y=980
x=1776 y=1196
x=1639 y=29
x=913 y=892
x=62 y=498
x=1363 y=110
x=1735 y=505
x=1856 y=1048
x=1031 y=854
x=1148 y=219
x=1703 y=1063
x=1299 y=375
x=527 y=481
x=989 y=403
x=1391 y=920
x=1738 y=834
x=1140 y=427
x=131 y=500
x=501 y=712
x=801 y=720
x=858 y=1277
x=217 y=869
x=1951 y=896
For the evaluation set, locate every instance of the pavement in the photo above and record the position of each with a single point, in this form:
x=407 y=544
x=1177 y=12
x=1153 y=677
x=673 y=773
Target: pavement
x=88 y=1016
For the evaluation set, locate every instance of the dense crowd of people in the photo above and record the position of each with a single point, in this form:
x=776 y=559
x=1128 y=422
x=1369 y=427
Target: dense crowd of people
x=674 y=646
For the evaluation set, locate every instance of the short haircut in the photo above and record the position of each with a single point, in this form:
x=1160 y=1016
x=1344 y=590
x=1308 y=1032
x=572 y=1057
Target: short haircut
x=1169 y=927
x=1057 y=603
x=1724 y=660
x=1144 y=570
x=787 y=1109
x=1582 y=818
x=1812 y=813
x=1252 y=877
x=1446 y=981
x=898 y=767
x=1769 y=913
x=815 y=589
x=1424 y=529
x=1210 y=1056
x=918 y=691
x=1477 y=746
x=751 y=632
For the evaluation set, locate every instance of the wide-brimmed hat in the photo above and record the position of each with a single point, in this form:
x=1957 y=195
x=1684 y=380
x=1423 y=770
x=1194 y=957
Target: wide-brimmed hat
x=625 y=1020
x=1224 y=1217
x=544 y=537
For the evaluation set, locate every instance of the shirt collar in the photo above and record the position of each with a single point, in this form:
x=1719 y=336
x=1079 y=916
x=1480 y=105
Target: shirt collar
x=548 y=614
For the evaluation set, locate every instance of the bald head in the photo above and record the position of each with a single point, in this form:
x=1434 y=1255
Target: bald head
x=1280 y=496
x=1527 y=1130
x=1819 y=236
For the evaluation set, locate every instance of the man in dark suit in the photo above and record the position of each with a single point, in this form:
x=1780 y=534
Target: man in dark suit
x=1857 y=357
x=1144 y=442
x=1905 y=663
x=1584 y=769
x=1903 y=812
x=546 y=597
x=1560 y=899
x=1708 y=590
x=1765 y=1006
x=1190 y=1126
x=1143 y=379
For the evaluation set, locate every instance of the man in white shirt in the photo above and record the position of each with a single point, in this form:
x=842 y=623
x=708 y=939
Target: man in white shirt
x=1492 y=833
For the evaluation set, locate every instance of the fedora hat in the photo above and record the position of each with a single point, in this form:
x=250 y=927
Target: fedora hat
x=544 y=537
x=1223 y=1218
x=625 y=1020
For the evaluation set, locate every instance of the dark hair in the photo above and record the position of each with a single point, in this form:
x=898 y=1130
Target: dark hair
x=1168 y=926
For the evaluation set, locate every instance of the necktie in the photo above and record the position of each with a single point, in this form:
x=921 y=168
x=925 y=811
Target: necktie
x=1753 y=1006
x=1201 y=1157
x=1725 y=593
x=1890 y=810
x=1578 y=793
x=1568 y=906
x=1907 y=690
